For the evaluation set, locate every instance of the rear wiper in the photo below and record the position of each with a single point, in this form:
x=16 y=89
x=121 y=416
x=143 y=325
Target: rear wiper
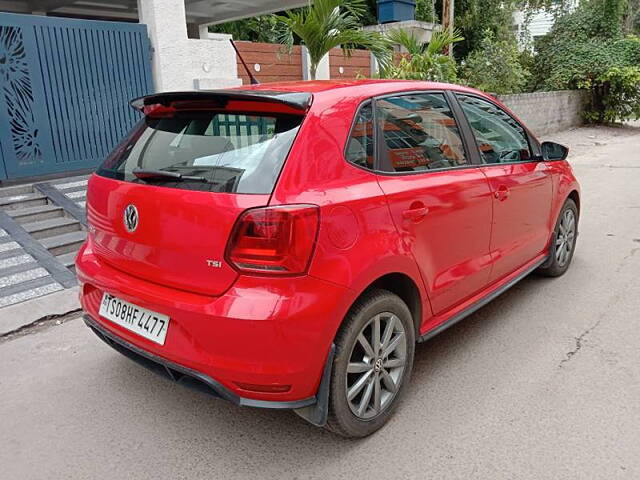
x=150 y=174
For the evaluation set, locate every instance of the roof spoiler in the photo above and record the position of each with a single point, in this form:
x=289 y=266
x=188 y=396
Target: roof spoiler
x=296 y=100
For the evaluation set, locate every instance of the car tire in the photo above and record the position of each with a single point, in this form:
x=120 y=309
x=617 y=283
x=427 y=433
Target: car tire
x=563 y=241
x=381 y=370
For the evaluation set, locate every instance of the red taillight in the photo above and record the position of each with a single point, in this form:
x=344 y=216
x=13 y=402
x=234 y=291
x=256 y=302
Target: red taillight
x=274 y=240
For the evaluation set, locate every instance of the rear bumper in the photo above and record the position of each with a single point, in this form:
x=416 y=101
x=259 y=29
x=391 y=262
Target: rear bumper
x=262 y=331
x=185 y=376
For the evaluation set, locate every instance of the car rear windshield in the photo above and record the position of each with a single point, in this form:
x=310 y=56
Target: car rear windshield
x=222 y=151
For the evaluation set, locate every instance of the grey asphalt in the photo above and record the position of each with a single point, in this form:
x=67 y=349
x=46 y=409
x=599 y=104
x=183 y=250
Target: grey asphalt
x=542 y=383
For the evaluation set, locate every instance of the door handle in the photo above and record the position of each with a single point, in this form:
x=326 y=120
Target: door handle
x=501 y=193
x=415 y=214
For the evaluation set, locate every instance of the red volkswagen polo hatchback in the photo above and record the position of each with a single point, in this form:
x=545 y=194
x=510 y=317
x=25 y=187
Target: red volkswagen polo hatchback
x=286 y=245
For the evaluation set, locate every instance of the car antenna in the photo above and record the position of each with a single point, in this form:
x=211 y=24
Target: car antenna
x=254 y=80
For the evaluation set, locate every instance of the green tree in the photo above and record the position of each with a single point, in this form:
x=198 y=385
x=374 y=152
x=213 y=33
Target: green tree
x=622 y=99
x=495 y=67
x=587 y=49
x=631 y=17
x=263 y=28
x=326 y=24
x=425 y=11
x=478 y=18
x=423 y=61
x=582 y=45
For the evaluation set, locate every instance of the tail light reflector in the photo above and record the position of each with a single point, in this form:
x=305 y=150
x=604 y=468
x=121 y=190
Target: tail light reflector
x=273 y=388
x=274 y=240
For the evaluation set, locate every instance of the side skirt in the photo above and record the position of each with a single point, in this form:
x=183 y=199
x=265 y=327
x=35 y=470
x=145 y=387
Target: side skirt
x=480 y=303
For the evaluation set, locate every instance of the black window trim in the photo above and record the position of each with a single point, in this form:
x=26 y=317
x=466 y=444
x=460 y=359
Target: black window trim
x=466 y=135
x=466 y=149
x=468 y=138
x=534 y=144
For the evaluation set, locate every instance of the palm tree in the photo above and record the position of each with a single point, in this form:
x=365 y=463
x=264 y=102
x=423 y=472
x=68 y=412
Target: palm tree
x=425 y=61
x=326 y=24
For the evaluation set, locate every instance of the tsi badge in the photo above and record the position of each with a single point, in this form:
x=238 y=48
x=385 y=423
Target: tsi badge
x=131 y=218
x=214 y=263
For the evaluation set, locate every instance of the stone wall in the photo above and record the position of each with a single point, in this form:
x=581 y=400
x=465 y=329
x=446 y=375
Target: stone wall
x=547 y=112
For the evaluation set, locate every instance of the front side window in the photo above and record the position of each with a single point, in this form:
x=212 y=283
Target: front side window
x=420 y=133
x=499 y=137
x=222 y=151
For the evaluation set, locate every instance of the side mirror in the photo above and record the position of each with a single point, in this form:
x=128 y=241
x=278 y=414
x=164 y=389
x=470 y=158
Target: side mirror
x=554 y=151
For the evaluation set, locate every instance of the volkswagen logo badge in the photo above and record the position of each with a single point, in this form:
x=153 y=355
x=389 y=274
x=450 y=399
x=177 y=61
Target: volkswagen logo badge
x=131 y=218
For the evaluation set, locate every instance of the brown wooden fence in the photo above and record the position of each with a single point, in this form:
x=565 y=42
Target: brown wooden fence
x=357 y=65
x=269 y=62
x=272 y=63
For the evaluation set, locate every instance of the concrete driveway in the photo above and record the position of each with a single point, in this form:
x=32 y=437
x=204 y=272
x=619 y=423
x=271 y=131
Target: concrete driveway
x=542 y=383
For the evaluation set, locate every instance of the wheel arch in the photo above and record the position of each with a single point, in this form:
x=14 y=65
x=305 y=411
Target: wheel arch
x=565 y=193
x=575 y=196
x=404 y=287
x=401 y=284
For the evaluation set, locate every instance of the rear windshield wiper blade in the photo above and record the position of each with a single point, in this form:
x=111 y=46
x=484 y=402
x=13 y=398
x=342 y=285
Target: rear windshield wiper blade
x=151 y=174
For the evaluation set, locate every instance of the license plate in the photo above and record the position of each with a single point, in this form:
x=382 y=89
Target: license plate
x=146 y=323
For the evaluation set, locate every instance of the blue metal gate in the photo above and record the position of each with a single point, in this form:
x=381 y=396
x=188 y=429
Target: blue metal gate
x=64 y=91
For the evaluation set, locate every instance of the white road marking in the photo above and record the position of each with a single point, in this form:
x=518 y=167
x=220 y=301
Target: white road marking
x=22 y=277
x=63 y=186
x=4 y=247
x=28 y=294
x=17 y=260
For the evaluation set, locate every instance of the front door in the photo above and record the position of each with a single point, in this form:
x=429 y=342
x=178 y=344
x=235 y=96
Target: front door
x=440 y=202
x=520 y=183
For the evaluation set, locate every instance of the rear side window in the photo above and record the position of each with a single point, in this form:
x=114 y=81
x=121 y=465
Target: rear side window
x=359 y=149
x=213 y=151
x=420 y=133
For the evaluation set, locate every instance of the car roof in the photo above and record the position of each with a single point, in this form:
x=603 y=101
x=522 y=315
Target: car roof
x=354 y=89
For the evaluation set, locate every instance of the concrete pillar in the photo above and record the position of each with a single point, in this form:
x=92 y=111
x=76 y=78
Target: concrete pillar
x=375 y=66
x=167 y=28
x=179 y=62
x=203 y=31
x=322 y=73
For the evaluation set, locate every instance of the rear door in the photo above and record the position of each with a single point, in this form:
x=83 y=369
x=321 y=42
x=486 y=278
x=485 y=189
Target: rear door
x=163 y=205
x=439 y=200
x=520 y=182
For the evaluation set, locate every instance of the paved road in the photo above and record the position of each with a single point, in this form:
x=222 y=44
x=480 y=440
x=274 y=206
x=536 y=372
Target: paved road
x=542 y=383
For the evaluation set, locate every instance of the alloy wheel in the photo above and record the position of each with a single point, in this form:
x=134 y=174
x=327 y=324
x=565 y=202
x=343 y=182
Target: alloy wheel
x=376 y=366
x=565 y=238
